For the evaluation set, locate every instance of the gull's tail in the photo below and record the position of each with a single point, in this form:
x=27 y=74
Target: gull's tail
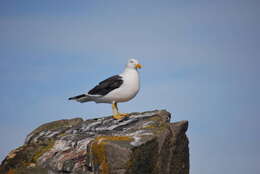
x=81 y=98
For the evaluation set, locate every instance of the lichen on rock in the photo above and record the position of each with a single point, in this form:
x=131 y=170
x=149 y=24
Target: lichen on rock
x=142 y=143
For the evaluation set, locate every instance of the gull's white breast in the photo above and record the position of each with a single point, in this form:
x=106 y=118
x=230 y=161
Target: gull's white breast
x=126 y=91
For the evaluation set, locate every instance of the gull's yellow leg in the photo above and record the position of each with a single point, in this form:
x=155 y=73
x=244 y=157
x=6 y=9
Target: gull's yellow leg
x=114 y=109
x=119 y=112
x=117 y=115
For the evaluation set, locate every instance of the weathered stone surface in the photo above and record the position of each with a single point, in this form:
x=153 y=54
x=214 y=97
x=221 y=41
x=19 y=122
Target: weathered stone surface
x=143 y=143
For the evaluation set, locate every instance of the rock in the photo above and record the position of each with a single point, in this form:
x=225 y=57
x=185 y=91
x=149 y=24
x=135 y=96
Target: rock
x=143 y=143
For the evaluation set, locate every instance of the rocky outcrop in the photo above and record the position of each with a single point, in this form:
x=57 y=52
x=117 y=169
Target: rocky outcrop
x=143 y=143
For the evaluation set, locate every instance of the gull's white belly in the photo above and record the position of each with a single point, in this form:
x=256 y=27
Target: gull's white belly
x=123 y=94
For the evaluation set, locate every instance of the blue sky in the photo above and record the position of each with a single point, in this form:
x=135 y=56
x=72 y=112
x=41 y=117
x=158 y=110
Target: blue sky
x=200 y=63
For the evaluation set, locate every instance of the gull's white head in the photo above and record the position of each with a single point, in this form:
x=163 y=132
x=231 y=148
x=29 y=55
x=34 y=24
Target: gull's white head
x=133 y=63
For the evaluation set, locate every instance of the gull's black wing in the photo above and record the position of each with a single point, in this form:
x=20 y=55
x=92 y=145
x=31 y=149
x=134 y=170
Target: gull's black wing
x=107 y=85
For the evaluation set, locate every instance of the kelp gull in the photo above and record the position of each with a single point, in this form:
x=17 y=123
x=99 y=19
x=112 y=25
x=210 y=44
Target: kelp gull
x=116 y=89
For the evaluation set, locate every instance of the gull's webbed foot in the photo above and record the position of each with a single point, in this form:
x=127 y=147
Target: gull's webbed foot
x=119 y=116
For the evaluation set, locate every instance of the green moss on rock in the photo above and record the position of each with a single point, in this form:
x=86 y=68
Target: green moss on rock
x=25 y=156
x=42 y=149
x=56 y=125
